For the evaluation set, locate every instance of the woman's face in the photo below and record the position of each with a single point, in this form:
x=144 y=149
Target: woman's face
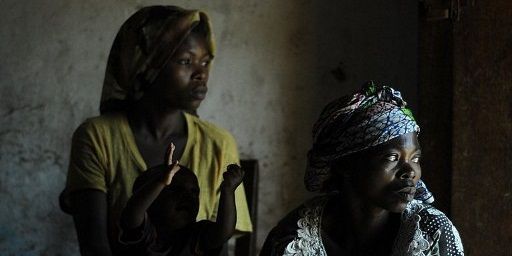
x=385 y=176
x=181 y=84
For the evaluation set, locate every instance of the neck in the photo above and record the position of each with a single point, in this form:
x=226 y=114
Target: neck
x=157 y=121
x=365 y=224
x=367 y=220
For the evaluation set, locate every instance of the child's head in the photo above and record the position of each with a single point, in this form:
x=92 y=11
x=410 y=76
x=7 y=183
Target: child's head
x=178 y=204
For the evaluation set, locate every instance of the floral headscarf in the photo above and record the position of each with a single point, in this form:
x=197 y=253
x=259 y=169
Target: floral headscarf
x=370 y=117
x=142 y=47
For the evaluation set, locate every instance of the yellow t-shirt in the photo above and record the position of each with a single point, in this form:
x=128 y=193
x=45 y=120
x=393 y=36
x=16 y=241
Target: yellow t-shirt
x=104 y=156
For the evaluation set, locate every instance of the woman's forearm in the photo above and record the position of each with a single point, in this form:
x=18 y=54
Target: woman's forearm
x=90 y=217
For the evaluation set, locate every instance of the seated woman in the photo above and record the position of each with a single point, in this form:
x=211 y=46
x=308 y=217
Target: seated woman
x=157 y=74
x=366 y=156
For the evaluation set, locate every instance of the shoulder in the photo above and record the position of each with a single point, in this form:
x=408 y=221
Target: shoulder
x=106 y=121
x=100 y=126
x=110 y=121
x=310 y=210
x=304 y=220
x=430 y=218
x=441 y=231
x=211 y=131
x=433 y=219
x=100 y=131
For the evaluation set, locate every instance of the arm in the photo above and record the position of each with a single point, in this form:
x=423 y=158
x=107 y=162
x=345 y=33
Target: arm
x=90 y=217
x=449 y=242
x=226 y=217
x=85 y=195
x=243 y=219
x=442 y=235
x=136 y=207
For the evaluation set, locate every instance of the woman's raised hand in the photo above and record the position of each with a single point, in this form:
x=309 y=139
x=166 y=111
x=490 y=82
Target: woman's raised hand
x=171 y=167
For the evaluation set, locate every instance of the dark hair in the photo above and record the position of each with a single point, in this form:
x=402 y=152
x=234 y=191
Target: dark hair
x=201 y=28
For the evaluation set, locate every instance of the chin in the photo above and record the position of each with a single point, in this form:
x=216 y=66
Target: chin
x=194 y=106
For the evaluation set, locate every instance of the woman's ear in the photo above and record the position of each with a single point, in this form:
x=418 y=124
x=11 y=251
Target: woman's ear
x=343 y=167
x=341 y=173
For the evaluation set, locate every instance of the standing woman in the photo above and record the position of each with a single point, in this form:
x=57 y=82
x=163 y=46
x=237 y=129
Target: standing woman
x=156 y=75
x=366 y=158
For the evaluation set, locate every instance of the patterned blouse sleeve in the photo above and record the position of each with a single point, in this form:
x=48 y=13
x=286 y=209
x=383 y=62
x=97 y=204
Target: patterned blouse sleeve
x=281 y=235
x=445 y=237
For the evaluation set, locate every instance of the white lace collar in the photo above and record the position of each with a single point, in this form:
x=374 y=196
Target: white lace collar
x=411 y=241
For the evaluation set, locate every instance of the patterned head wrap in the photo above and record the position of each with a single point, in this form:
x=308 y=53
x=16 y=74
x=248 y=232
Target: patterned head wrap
x=370 y=117
x=142 y=47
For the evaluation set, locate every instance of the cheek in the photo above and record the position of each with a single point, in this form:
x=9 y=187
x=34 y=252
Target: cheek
x=181 y=75
x=380 y=180
x=378 y=183
x=418 y=173
x=173 y=79
x=168 y=209
x=370 y=182
x=207 y=74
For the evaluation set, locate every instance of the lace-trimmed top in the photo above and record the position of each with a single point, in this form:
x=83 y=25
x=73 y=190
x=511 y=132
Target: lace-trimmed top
x=424 y=231
x=309 y=239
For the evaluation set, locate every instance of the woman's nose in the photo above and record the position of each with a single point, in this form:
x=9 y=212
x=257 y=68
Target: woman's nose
x=407 y=172
x=200 y=74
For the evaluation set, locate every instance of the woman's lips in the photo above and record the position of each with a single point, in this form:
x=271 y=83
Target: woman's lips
x=199 y=93
x=406 y=193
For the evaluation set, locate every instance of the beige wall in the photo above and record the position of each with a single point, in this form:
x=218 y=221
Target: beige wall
x=272 y=76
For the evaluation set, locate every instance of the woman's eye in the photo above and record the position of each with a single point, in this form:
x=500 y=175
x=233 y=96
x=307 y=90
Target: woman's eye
x=205 y=63
x=391 y=158
x=184 y=61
